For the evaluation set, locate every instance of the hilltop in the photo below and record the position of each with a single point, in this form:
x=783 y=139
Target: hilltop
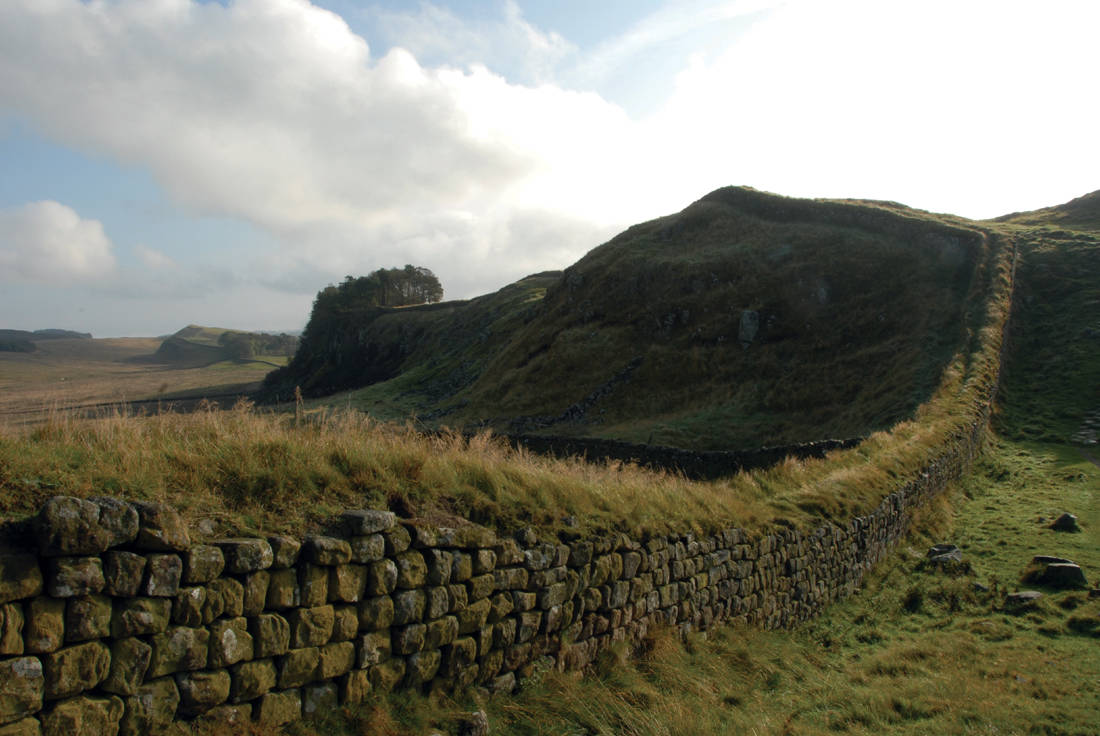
x=747 y=319
x=23 y=341
x=196 y=346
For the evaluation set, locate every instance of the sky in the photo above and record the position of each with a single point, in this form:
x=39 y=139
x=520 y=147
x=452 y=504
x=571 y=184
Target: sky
x=168 y=162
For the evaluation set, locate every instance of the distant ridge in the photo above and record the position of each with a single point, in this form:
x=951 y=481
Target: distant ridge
x=22 y=341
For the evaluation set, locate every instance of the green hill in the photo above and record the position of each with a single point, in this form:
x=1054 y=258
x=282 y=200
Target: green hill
x=197 y=346
x=748 y=319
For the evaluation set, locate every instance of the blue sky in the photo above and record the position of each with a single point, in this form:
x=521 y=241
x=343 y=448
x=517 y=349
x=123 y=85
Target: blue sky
x=165 y=162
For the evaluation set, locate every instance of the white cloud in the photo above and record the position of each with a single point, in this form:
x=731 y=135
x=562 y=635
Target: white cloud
x=47 y=242
x=153 y=259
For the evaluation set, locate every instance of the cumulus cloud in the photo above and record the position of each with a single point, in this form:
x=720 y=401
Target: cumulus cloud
x=47 y=242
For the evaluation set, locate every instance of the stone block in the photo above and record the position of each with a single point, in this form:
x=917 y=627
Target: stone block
x=440 y=563
x=409 y=639
x=381 y=577
x=312 y=584
x=484 y=561
x=337 y=658
x=501 y=606
x=347 y=583
x=72 y=670
x=129 y=662
x=528 y=625
x=462 y=567
x=408 y=606
x=44 y=630
x=441 y=632
x=376 y=613
x=319 y=698
x=201 y=691
x=246 y=555
x=285 y=551
x=179 y=649
x=385 y=677
x=22 y=688
x=123 y=573
x=361 y=522
x=397 y=540
x=20 y=577
x=87 y=617
x=229 y=642
x=461 y=654
x=84 y=716
x=151 y=709
x=438 y=602
x=354 y=687
x=374 y=648
x=459 y=598
x=345 y=623
x=366 y=549
x=201 y=564
x=326 y=551
x=255 y=587
x=298 y=667
x=310 y=627
x=270 y=634
x=474 y=616
x=481 y=586
x=421 y=667
x=282 y=589
x=188 y=605
x=510 y=578
x=224 y=597
x=412 y=570
x=523 y=601
x=250 y=680
x=68 y=526
x=161 y=529
x=162 y=575
x=140 y=616
x=23 y=727
x=279 y=708
x=72 y=576
x=224 y=718
x=11 y=628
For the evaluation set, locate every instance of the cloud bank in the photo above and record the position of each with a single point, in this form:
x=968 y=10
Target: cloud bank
x=49 y=243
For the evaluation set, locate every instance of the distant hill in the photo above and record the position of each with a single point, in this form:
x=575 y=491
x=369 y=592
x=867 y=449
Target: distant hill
x=198 y=346
x=22 y=341
x=1082 y=214
x=748 y=319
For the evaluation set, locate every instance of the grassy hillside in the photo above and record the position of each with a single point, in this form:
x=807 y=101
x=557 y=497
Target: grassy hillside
x=196 y=346
x=745 y=320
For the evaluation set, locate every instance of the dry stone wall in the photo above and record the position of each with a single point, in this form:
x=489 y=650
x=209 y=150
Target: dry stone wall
x=116 y=622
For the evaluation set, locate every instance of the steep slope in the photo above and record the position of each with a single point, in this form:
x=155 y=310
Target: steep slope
x=748 y=319
x=1082 y=213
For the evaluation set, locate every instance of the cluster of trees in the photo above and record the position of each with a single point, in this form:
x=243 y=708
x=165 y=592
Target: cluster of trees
x=247 y=345
x=386 y=287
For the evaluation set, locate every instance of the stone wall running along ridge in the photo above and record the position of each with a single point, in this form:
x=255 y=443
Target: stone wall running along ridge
x=119 y=623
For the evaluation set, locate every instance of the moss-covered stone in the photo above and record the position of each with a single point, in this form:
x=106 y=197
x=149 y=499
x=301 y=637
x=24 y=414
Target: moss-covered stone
x=270 y=634
x=345 y=623
x=20 y=577
x=230 y=642
x=250 y=680
x=123 y=572
x=129 y=662
x=151 y=709
x=201 y=691
x=255 y=587
x=87 y=617
x=72 y=576
x=279 y=708
x=161 y=529
x=44 y=630
x=72 y=670
x=327 y=551
x=180 y=649
x=311 y=627
x=336 y=659
x=12 y=622
x=347 y=583
x=83 y=716
x=140 y=616
x=22 y=688
x=312 y=584
x=162 y=575
x=298 y=666
x=246 y=555
x=201 y=564
x=282 y=589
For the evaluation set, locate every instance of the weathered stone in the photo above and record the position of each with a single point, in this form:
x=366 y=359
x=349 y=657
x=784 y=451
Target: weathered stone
x=360 y=522
x=22 y=688
x=441 y=632
x=345 y=623
x=458 y=597
x=24 y=727
x=252 y=679
x=528 y=625
x=312 y=584
x=255 y=587
x=510 y=578
x=310 y=627
x=374 y=648
x=326 y=551
x=151 y=709
x=337 y=658
x=229 y=643
x=83 y=716
x=381 y=577
x=421 y=667
x=1067 y=522
x=179 y=649
x=72 y=670
x=481 y=586
x=438 y=603
x=201 y=564
x=140 y=616
x=246 y=555
x=474 y=616
x=188 y=606
x=270 y=634
x=285 y=551
x=462 y=567
x=484 y=561
x=319 y=698
x=408 y=606
x=201 y=691
x=474 y=724
x=412 y=571
x=354 y=687
x=279 y=708
x=282 y=589
x=87 y=617
x=1063 y=575
x=73 y=576
x=523 y=601
x=129 y=662
x=44 y=630
x=439 y=564
x=367 y=549
x=297 y=666
x=409 y=639
x=161 y=529
x=397 y=540
x=11 y=628
x=224 y=597
x=1022 y=598
x=72 y=526
x=347 y=583
x=376 y=613
x=123 y=573
x=223 y=718
x=384 y=677
x=20 y=577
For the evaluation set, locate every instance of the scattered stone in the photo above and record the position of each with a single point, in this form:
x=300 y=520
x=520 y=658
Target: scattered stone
x=1022 y=598
x=475 y=724
x=1063 y=575
x=1065 y=523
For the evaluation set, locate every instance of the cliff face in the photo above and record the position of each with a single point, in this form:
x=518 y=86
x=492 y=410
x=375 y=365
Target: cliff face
x=745 y=320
